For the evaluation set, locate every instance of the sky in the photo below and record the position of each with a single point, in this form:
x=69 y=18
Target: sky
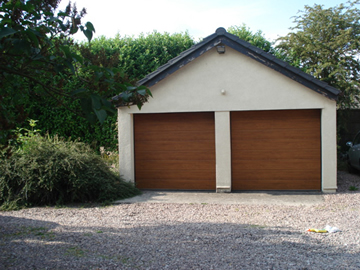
x=200 y=18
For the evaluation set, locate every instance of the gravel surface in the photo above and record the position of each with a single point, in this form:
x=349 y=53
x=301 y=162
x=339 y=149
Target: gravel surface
x=186 y=236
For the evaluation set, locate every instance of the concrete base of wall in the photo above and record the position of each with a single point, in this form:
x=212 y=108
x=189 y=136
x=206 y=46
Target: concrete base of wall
x=329 y=190
x=223 y=189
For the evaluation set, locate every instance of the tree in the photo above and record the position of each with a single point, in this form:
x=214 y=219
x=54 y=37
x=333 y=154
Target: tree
x=37 y=57
x=257 y=39
x=325 y=43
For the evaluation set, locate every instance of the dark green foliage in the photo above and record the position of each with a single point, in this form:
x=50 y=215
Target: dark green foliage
x=62 y=120
x=257 y=39
x=39 y=60
x=325 y=43
x=48 y=171
x=144 y=54
x=34 y=47
x=59 y=120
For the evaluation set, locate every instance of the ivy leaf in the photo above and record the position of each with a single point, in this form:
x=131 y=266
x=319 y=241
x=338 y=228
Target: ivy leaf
x=70 y=66
x=101 y=115
x=74 y=29
x=78 y=91
x=62 y=14
x=96 y=102
x=7 y=31
x=110 y=72
x=66 y=50
x=33 y=37
x=88 y=34
x=108 y=106
x=90 y=26
x=139 y=105
x=77 y=58
x=125 y=96
x=142 y=92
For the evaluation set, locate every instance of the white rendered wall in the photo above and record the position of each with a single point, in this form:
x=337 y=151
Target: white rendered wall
x=126 y=145
x=223 y=151
x=248 y=85
x=328 y=150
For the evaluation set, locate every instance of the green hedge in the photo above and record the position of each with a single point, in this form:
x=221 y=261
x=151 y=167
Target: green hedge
x=59 y=120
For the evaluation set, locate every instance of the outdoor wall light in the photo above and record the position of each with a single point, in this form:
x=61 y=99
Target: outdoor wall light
x=220 y=49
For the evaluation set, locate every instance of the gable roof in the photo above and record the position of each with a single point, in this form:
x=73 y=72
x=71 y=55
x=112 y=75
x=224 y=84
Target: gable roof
x=221 y=37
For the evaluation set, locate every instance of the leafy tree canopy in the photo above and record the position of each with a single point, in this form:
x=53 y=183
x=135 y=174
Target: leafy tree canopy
x=257 y=39
x=325 y=43
x=37 y=57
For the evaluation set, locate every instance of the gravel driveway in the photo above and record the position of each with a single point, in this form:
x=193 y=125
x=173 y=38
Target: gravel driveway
x=186 y=236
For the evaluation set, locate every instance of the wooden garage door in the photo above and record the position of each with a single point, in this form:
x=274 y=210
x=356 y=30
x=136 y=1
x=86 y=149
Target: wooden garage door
x=175 y=151
x=276 y=150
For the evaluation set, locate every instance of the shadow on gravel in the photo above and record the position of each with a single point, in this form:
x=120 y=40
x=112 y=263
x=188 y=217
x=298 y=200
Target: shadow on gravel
x=34 y=245
x=347 y=182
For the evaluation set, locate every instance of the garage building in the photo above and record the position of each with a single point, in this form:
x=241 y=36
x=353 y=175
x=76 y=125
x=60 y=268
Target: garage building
x=226 y=116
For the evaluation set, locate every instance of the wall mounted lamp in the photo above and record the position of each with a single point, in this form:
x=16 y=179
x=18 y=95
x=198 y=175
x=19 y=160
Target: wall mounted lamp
x=220 y=49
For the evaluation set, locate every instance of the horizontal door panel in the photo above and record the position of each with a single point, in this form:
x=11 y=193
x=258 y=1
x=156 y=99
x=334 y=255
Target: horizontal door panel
x=276 y=150
x=175 y=151
x=176 y=184
x=264 y=154
x=289 y=184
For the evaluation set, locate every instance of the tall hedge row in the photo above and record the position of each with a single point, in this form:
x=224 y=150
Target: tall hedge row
x=135 y=56
x=144 y=54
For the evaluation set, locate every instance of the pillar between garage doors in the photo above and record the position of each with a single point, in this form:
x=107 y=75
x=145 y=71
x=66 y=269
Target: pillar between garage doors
x=223 y=151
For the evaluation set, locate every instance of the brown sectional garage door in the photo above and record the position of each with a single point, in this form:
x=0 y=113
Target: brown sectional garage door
x=175 y=151
x=276 y=150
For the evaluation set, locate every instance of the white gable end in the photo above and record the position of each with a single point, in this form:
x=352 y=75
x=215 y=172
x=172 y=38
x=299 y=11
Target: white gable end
x=246 y=83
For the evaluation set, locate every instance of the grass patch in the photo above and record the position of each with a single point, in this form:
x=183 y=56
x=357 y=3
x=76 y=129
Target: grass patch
x=41 y=232
x=75 y=252
x=257 y=226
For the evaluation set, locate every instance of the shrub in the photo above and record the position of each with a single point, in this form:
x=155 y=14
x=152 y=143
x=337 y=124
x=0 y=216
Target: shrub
x=48 y=171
